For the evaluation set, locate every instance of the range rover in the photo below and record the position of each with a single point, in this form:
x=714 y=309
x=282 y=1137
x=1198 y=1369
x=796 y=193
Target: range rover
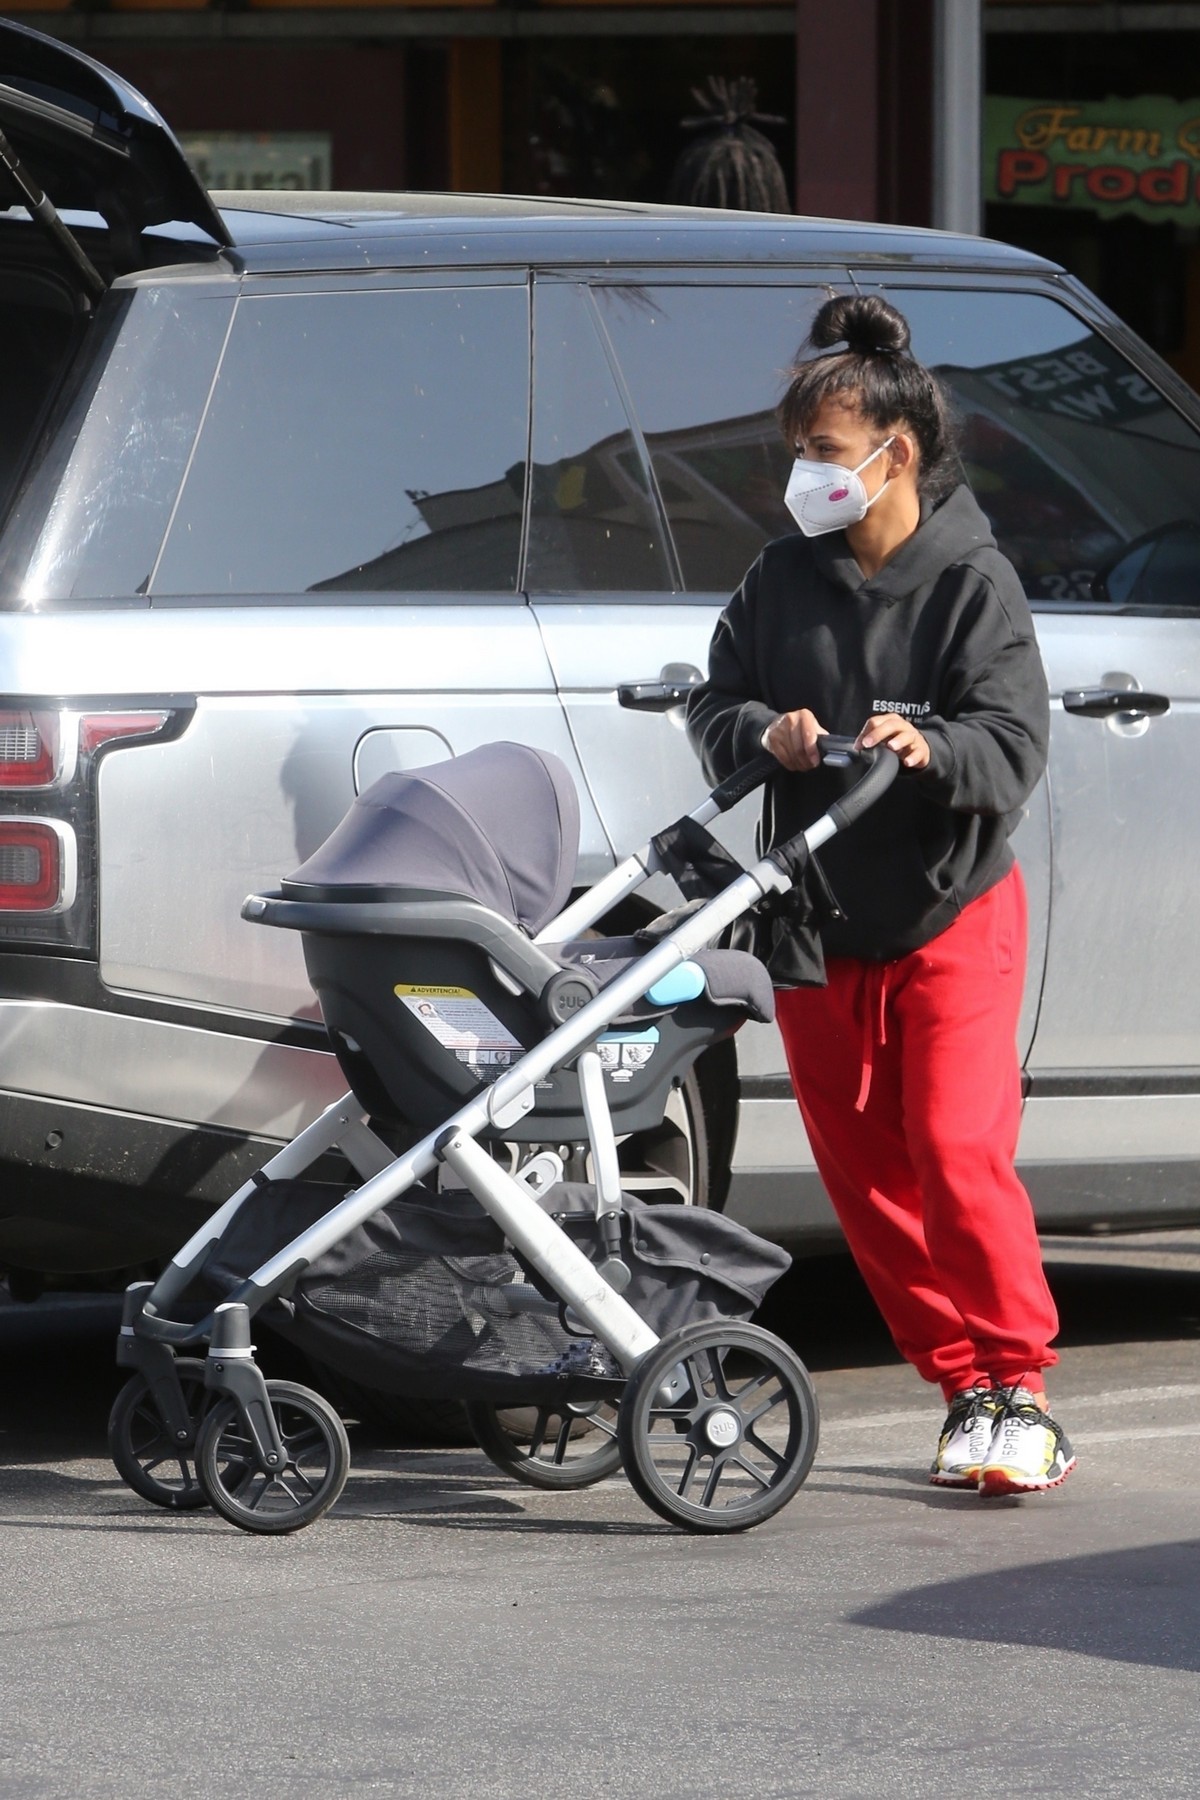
x=297 y=489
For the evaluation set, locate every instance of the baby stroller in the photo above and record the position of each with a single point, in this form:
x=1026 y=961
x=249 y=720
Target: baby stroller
x=423 y=1233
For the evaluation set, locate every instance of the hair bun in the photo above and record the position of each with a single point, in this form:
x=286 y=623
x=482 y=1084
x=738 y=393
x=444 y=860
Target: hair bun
x=866 y=324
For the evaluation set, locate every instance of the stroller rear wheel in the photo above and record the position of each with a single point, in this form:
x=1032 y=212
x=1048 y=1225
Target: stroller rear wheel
x=564 y=1444
x=275 y=1500
x=146 y=1456
x=718 y=1426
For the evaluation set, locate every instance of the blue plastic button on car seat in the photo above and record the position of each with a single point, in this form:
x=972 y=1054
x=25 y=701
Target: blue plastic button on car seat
x=684 y=983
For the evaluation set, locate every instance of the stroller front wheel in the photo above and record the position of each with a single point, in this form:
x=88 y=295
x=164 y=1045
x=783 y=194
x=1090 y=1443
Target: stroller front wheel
x=271 y=1501
x=718 y=1426
x=563 y=1444
x=145 y=1454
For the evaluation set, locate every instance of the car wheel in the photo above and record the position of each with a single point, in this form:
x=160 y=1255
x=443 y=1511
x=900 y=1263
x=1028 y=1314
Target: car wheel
x=670 y=1161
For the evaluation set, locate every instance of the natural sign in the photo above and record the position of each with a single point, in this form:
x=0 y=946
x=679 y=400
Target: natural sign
x=1108 y=156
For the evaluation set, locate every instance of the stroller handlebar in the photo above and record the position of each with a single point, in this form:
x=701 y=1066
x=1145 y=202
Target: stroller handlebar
x=743 y=781
x=882 y=768
x=836 y=753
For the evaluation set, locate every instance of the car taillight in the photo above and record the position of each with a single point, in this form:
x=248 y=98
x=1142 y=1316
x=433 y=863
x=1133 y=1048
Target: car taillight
x=29 y=749
x=50 y=755
x=98 y=729
x=37 y=866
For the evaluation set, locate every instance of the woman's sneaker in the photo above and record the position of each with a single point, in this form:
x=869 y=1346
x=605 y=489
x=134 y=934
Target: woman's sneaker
x=1028 y=1451
x=966 y=1438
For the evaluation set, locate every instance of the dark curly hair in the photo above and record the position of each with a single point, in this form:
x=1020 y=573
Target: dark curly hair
x=876 y=374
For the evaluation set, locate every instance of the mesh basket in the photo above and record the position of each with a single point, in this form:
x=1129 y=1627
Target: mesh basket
x=407 y=1302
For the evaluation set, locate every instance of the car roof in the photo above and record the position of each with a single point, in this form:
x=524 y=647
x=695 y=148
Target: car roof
x=273 y=230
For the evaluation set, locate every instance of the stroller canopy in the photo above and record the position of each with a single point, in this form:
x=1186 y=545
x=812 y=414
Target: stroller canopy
x=499 y=825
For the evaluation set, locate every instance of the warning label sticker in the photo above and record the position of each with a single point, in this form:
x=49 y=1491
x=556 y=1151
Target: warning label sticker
x=623 y=1054
x=462 y=1024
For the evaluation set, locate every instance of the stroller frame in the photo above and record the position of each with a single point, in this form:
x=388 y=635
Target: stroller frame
x=588 y=1293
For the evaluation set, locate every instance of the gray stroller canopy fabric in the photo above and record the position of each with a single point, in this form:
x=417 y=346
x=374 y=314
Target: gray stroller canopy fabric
x=499 y=825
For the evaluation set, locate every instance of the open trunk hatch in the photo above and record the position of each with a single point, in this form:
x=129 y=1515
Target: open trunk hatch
x=94 y=144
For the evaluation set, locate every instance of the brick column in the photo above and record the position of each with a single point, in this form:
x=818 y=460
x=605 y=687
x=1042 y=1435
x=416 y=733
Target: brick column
x=864 y=109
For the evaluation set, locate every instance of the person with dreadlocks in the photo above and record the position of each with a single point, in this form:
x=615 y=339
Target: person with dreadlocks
x=893 y=618
x=729 y=163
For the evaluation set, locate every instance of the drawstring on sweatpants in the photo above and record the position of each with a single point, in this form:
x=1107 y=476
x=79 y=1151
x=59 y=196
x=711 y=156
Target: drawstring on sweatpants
x=874 y=1005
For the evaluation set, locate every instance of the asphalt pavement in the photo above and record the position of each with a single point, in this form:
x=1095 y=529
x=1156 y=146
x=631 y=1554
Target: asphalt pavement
x=444 y=1632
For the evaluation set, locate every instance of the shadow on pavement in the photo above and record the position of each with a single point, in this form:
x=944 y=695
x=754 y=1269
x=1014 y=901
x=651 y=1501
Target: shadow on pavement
x=59 y=1378
x=1129 y=1606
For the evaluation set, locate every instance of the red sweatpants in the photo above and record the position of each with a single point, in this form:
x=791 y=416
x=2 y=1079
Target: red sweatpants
x=907 y=1077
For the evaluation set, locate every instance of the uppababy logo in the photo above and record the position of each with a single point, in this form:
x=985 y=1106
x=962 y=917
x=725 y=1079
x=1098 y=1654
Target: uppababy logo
x=908 y=709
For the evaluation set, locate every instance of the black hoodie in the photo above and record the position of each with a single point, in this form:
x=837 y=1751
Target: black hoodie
x=943 y=635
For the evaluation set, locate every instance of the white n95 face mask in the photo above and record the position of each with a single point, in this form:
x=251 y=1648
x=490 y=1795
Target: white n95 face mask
x=825 y=497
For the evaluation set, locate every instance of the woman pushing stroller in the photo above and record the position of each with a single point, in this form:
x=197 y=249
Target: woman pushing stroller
x=893 y=618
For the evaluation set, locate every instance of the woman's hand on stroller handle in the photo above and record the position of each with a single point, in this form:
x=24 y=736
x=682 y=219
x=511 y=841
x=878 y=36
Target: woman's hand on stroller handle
x=901 y=737
x=794 y=740
x=799 y=742
x=833 y=751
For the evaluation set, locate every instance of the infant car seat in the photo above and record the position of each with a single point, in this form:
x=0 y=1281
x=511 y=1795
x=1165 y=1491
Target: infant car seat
x=419 y=915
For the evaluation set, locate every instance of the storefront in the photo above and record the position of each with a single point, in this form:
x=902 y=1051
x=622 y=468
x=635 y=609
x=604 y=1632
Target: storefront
x=1092 y=155
x=1090 y=132
x=584 y=99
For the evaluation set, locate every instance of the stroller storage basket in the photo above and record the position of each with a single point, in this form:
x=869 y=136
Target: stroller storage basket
x=411 y=1302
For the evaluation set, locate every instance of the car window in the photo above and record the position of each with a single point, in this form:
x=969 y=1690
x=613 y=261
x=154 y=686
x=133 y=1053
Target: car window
x=705 y=368
x=593 y=523
x=360 y=441
x=91 y=519
x=1074 y=456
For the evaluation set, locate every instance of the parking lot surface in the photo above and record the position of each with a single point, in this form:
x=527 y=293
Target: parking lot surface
x=445 y=1632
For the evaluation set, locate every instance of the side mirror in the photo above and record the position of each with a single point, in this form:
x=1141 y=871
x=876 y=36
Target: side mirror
x=1160 y=569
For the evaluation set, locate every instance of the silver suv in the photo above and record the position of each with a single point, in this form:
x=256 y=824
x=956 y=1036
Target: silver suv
x=299 y=489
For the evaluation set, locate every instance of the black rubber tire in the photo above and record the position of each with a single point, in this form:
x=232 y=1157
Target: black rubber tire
x=139 y=1444
x=258 y=1500
x=737 y=1375
x=516 y=1441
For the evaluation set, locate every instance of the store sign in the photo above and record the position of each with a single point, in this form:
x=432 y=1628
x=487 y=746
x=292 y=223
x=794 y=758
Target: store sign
x=1108 y=156
x=298 y=160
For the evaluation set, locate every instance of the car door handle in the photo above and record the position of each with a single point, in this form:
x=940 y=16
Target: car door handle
x=670 y=688
x=1108 y=703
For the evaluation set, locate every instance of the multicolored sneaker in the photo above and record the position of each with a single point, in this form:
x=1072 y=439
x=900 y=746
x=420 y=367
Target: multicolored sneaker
x=1028 y=1451
x=966 y=1438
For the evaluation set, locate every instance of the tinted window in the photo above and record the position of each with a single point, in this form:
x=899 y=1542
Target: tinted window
x=1072 y=454
x=360 y=441
x=90 y=524
x=39 y=329
x=593 y=524
x=705 y=369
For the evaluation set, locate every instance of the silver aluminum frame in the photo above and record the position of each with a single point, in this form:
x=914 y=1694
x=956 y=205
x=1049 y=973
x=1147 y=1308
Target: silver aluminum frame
x=576 y=1280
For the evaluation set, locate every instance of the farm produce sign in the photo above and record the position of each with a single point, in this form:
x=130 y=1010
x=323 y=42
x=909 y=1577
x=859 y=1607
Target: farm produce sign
x=1108 y=156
